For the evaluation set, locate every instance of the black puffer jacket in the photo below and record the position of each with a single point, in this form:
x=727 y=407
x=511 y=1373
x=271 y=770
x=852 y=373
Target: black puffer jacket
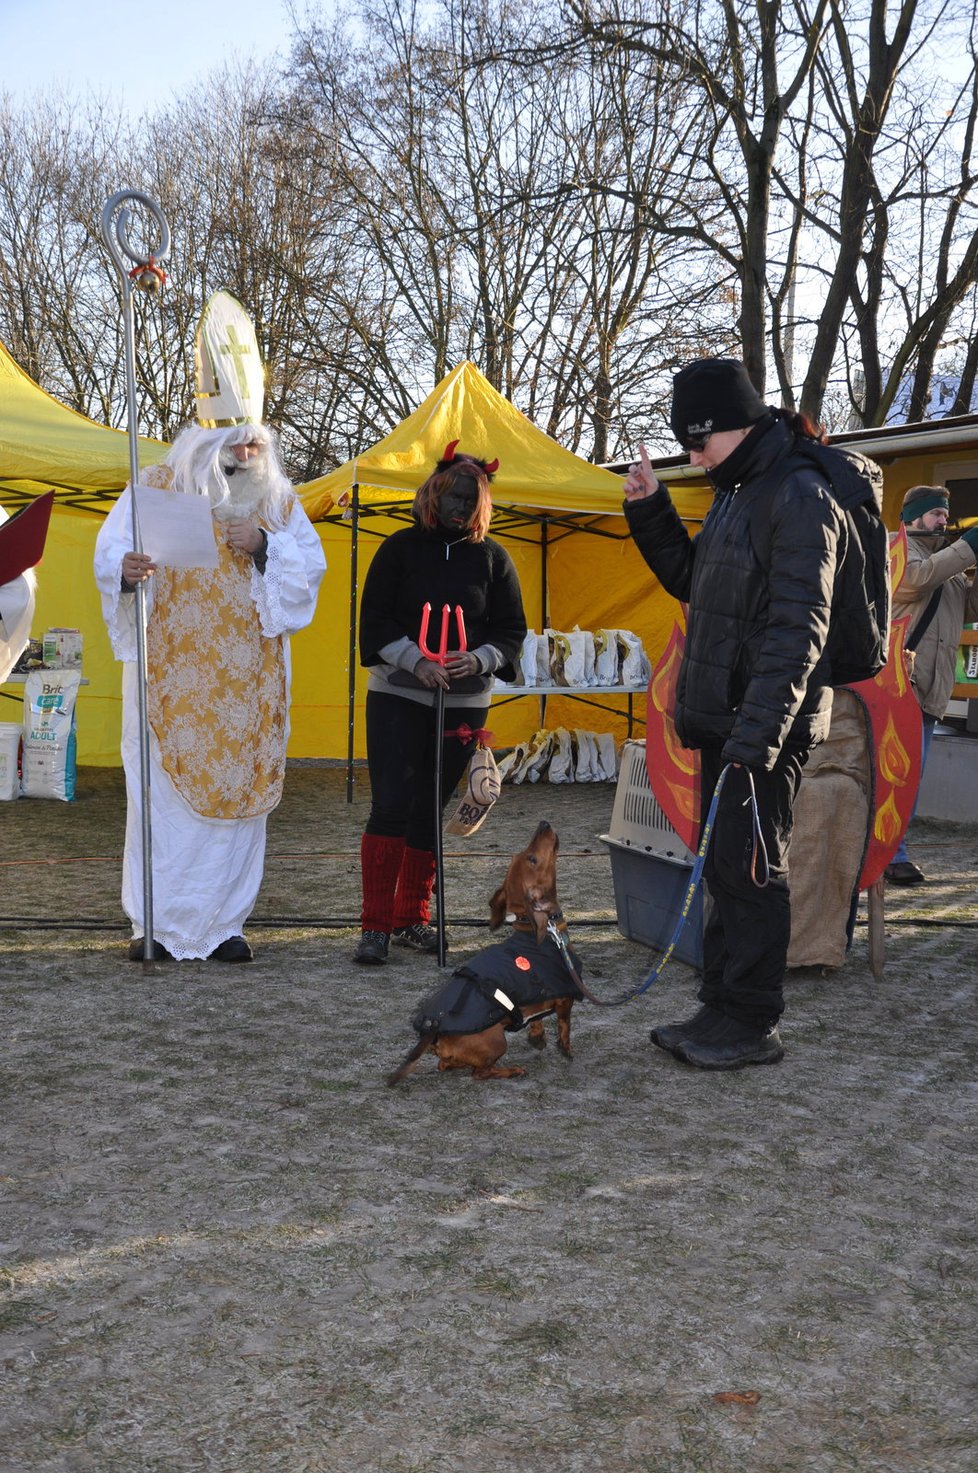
x=758 y=580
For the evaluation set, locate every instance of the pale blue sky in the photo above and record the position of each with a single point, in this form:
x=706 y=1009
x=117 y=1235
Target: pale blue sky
x=140 y=52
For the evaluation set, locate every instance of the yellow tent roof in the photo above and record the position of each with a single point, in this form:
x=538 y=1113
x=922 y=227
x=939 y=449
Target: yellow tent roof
x=43 y=444
x=534 y=471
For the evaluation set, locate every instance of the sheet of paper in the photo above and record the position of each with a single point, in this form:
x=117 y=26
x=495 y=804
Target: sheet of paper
x=177 y=530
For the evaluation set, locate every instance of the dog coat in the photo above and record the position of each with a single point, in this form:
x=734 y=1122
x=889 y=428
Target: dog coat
x=494 y=987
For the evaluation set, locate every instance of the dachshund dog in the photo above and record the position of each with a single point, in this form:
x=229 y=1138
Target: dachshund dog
x=513 y=985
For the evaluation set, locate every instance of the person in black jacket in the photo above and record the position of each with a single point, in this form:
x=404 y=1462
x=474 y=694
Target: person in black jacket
x=444 y=558
x=752 y=689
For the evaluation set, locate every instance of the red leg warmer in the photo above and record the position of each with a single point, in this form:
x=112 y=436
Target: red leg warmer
x=380 y=861
x=414 y=887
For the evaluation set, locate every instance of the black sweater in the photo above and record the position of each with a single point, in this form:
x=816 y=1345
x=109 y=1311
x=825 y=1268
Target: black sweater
x=415 y=567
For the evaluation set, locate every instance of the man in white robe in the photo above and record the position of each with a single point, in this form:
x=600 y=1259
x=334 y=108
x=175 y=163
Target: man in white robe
x=218 y=671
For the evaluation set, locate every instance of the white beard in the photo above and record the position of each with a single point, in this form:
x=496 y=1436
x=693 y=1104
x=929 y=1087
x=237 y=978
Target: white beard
x=237 y=490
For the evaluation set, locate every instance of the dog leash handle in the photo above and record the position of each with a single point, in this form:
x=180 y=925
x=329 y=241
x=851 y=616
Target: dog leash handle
x=694 y=883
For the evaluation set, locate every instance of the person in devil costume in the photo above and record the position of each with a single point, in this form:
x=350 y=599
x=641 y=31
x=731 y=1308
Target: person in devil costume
x=444 y=558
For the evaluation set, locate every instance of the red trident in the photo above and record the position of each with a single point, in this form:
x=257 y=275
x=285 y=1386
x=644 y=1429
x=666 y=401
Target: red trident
x=441 y=657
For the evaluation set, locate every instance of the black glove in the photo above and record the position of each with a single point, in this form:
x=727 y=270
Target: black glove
x=971 y=537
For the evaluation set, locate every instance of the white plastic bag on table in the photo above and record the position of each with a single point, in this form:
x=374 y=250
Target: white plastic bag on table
x=588 y=637
x=543 y=658
x=635 y=667
x=606 y=661
x=526 y=669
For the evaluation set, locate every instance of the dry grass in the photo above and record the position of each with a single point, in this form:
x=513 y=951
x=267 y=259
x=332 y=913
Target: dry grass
x=224 y=1245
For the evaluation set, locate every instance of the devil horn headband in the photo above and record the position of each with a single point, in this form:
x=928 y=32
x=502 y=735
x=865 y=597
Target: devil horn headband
x=449 y=454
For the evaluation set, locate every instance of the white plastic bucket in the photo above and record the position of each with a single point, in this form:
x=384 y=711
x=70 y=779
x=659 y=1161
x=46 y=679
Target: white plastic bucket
x=10 y=734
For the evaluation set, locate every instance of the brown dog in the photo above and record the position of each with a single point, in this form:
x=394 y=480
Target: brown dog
x=514 y=984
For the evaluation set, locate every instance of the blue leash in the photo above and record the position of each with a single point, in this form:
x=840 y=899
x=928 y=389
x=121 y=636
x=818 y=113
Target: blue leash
x=759 y=851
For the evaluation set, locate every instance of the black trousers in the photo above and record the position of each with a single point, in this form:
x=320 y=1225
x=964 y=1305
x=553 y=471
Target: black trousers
x=401 y=762
x=745 y=942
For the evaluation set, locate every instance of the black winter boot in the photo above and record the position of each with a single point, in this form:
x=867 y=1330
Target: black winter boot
x=694 y=1029
x=733 y=1046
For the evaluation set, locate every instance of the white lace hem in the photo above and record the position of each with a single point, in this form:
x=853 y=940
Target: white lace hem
x=197 y=950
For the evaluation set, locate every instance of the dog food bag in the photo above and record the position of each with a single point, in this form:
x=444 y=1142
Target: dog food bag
x=535 y=751
x=607 y=756
x=538 y=756
x=510 y=765
x=526 y=668
x=48 y=759
x=606 y=663
x=588 y=638
x=562 y=757
x=635 y=667
x=481 y=791
x=585 y=766
x=572 y=658
x=560 y=653
x=543 y=658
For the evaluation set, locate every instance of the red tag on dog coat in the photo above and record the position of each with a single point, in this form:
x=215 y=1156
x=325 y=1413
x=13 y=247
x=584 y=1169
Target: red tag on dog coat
x=523 y=963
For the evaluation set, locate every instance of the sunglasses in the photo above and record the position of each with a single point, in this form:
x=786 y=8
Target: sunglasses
x=696 y=442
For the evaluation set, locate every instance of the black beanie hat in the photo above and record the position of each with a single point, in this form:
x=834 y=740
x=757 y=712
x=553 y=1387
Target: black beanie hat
x=921 y=499
x=713 y=394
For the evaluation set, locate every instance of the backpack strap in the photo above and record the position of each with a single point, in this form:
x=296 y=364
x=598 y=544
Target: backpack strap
x=924 y=622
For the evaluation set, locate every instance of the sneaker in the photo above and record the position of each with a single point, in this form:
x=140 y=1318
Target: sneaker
x=904 y=872
x=696 y=1028
x=733 y=1046
x=372 y=948
x=420 y=937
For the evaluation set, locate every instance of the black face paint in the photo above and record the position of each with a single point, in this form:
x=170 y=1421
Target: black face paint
x=457 y=504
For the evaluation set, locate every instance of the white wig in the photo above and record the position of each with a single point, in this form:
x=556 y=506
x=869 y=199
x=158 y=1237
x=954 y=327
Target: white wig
x=200 y=465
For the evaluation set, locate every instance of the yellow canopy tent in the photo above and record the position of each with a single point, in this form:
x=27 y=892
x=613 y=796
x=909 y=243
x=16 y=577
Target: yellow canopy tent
x=43 y=446
x=547 y=499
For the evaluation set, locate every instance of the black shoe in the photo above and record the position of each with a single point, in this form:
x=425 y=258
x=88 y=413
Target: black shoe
x=696 y=1028
x=733 y=1046
x=904 y=872
x=136 y=948
x=372 y=948
x=234 y=949
x=420 y=937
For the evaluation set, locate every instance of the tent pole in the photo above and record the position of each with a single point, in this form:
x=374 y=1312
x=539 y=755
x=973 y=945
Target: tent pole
x=115 y=233
x=352 y=650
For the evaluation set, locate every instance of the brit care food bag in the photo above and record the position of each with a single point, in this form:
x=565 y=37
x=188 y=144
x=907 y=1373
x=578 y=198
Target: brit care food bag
x=48 y=757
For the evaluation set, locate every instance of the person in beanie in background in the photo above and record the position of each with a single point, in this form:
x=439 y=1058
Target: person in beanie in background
x=444 y=558
x=752 y=689
x=939 y=593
